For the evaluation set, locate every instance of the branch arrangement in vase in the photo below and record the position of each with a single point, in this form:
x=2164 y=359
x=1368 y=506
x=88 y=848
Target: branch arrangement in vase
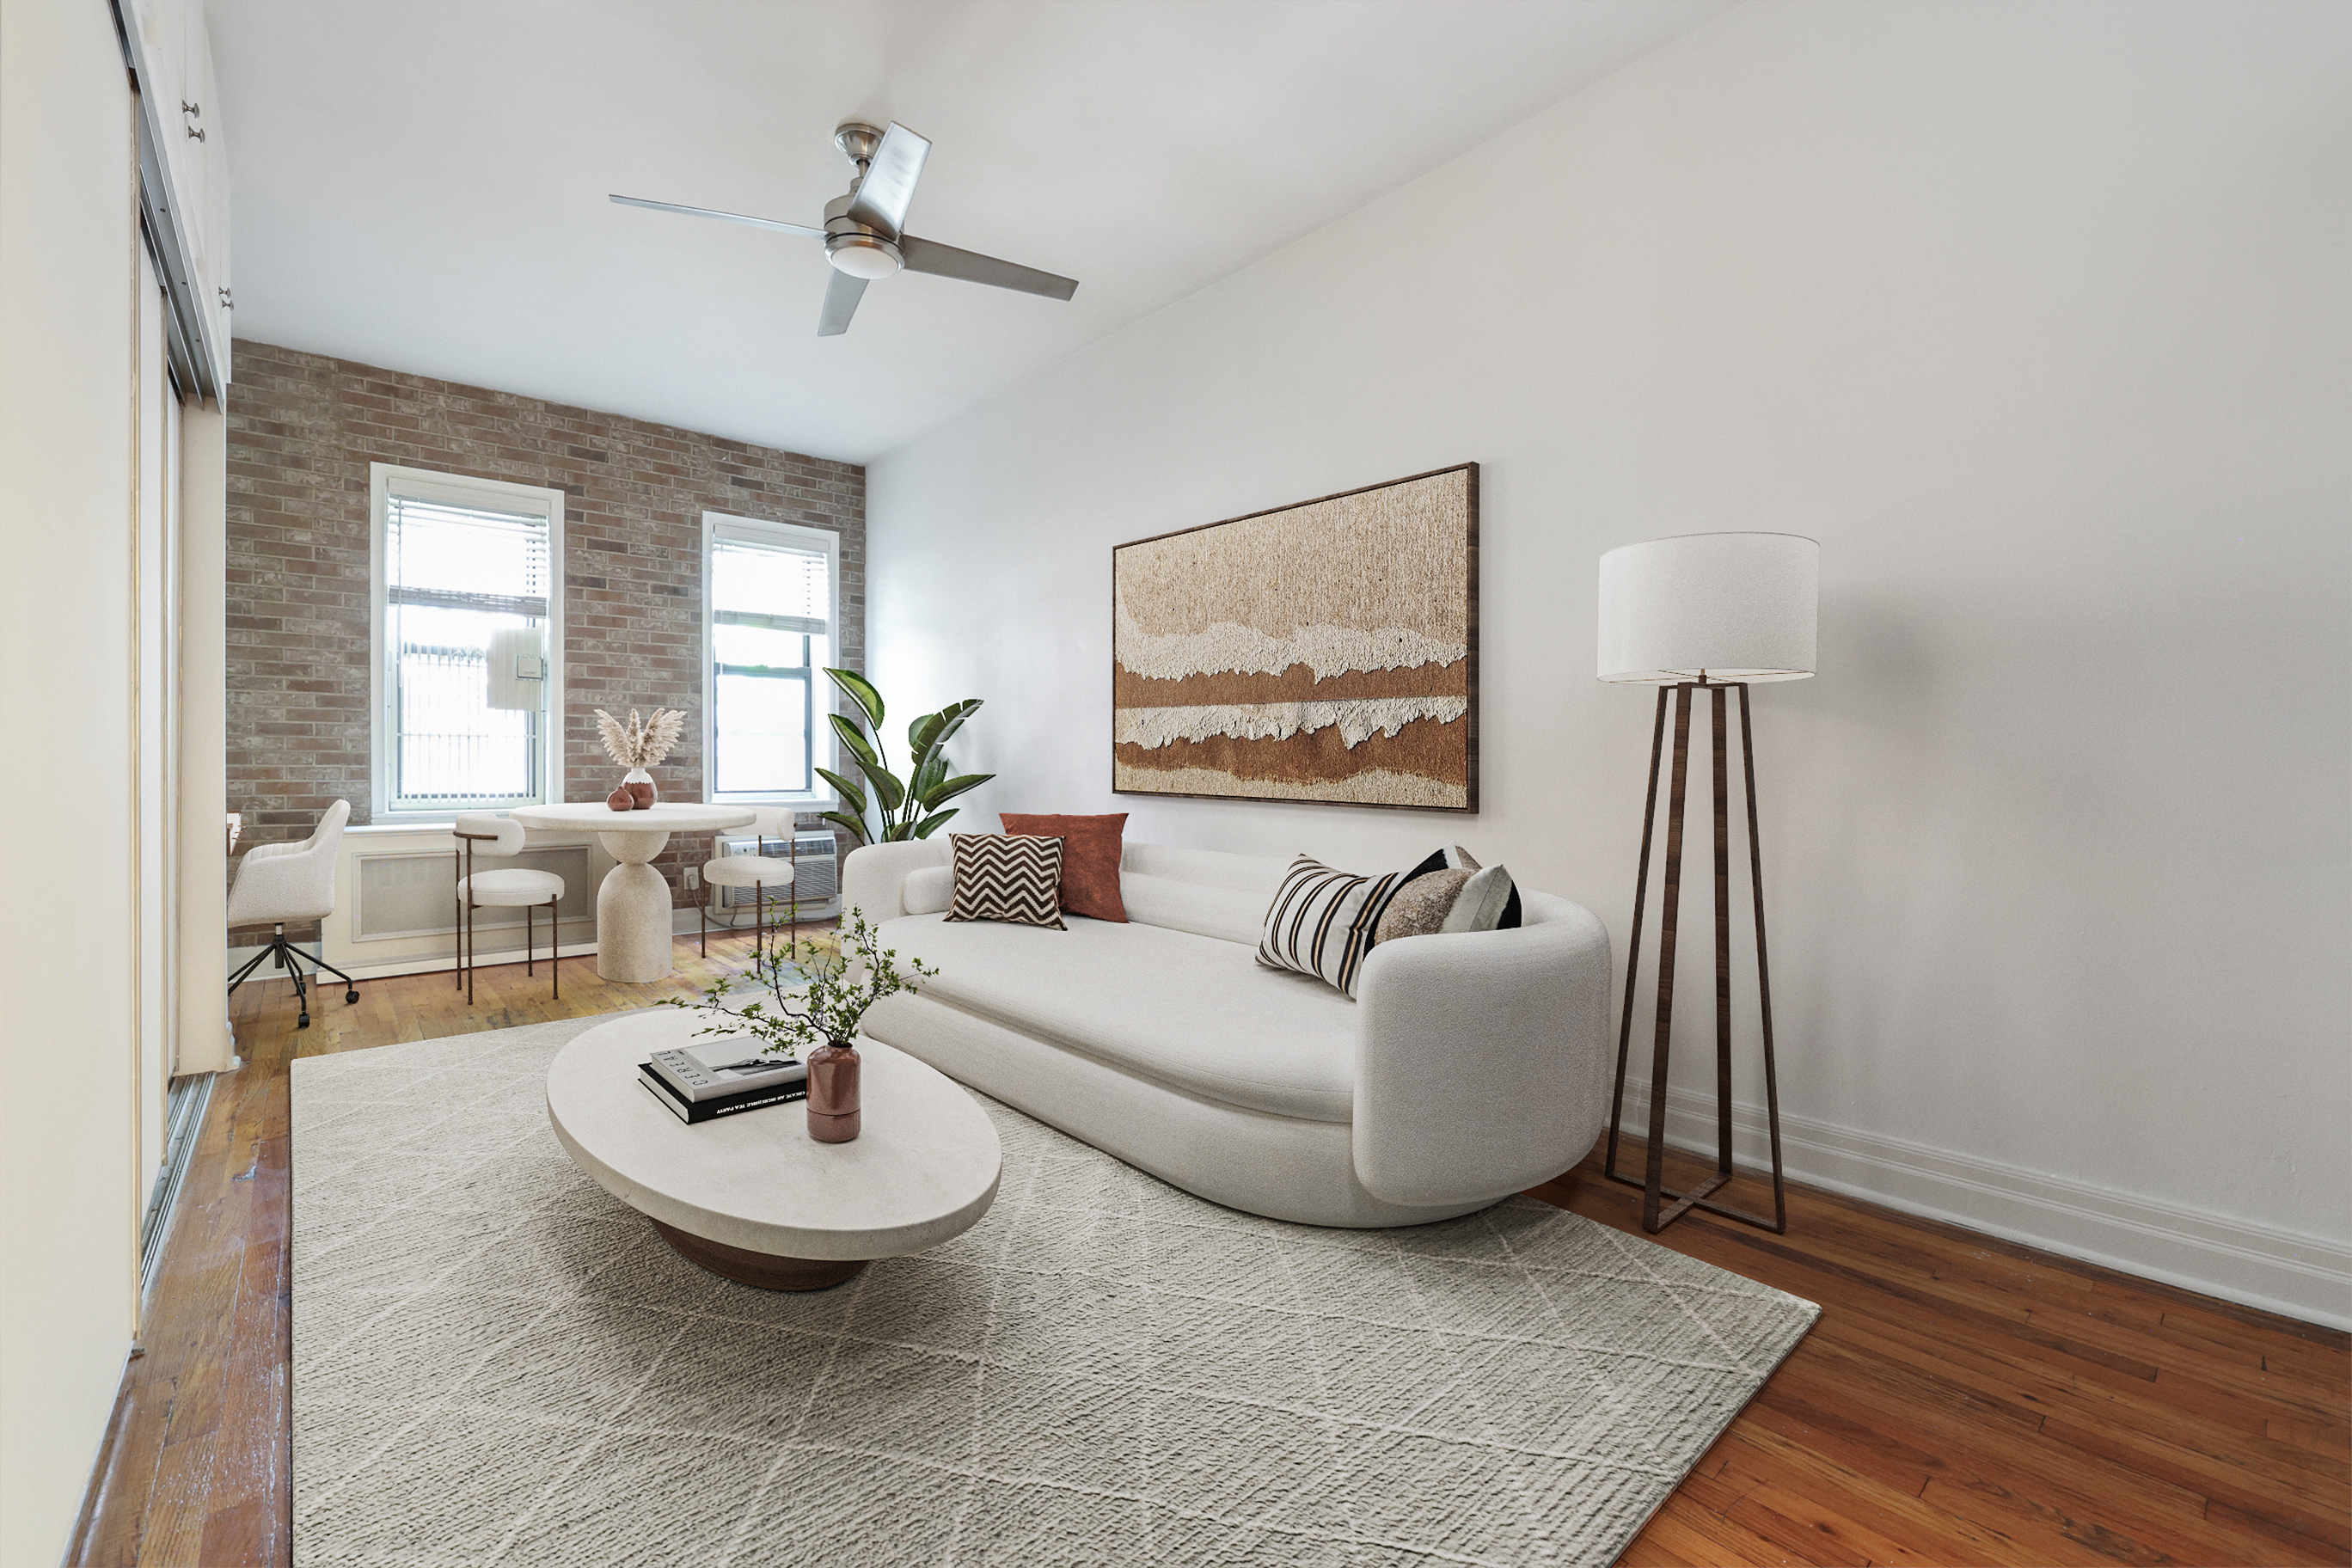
x=639 y=745
x=901 y=808
x=844 y=975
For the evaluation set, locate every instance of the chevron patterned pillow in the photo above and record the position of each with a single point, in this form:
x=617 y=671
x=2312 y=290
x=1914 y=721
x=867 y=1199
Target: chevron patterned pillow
x=1010 y=877
x=1321 y=921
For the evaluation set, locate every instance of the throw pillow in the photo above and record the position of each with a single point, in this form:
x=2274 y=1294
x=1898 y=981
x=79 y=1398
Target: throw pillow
x=1091 y=856
x=1016 y=878
x=1321 y=921
x=1436 y=896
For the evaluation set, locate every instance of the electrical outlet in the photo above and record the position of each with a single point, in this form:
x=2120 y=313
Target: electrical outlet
x=693 y=878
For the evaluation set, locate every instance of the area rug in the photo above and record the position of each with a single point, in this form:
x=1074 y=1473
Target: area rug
x=495 y=1362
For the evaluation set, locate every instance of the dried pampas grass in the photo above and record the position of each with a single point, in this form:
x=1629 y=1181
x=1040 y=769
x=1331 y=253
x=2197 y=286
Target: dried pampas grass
x=640 y=742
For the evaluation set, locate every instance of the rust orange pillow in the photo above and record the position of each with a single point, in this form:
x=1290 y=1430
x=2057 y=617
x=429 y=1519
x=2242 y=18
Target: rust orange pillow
x=1090 y=850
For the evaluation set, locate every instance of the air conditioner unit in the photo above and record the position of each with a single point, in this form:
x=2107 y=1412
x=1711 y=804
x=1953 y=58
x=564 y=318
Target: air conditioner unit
x=815 y=855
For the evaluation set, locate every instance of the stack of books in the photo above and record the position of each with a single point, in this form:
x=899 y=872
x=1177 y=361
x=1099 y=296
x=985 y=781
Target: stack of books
x=719 y=1077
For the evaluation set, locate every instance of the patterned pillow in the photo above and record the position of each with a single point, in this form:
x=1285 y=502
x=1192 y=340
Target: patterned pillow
x=1010 y=877
x=1321 y=921
x=1448 y=892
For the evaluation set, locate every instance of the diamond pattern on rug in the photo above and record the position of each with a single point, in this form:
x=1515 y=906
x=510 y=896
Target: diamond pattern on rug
x=496 y=1362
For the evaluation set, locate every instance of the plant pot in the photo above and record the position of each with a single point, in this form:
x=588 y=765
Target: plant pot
x=833 y=1097
x=640 y=786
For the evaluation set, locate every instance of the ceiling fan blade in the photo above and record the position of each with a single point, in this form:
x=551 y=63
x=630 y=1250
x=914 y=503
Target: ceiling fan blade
x=778 y=225
x=841 y=297
x=889 y=183
x=946 y=262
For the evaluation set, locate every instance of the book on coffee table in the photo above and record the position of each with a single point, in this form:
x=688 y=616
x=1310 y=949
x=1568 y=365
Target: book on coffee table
x=714 y=1070
x=692 y=1112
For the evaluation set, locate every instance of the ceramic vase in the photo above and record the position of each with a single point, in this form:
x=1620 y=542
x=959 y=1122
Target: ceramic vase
x=833 y=1103
x=640 y=786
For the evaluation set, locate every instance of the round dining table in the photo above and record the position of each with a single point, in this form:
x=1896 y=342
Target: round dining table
x=633 y=936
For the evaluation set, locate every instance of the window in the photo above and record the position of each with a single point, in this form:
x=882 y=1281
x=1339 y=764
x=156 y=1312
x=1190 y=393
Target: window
x=770 y=604
x=468 y=638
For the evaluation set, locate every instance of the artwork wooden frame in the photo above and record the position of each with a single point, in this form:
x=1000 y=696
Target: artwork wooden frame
x=1325 y=651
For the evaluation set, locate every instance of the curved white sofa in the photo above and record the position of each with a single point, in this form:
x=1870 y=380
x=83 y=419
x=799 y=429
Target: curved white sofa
x=1473 y=1065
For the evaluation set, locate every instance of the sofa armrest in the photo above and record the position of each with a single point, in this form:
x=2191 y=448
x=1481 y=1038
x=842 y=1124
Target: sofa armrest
x=874 y=878
x=1482 y=1064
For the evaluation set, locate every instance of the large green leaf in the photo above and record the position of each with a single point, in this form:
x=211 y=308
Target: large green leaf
x=926 y=778
x=919 y=735
x=951 y=788
x=861 y=691
x=924 y=828
x=851 y=823
x=851 y=738
x=951 y=718
x=850 y=792
x=888 y=791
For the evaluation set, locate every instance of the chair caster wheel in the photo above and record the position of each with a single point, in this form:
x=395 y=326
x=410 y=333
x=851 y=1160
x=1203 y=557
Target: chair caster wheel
x=350 y=996
x=304 y=1022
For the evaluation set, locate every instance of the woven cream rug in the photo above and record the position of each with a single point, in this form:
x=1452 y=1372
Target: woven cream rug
x=497 y=1364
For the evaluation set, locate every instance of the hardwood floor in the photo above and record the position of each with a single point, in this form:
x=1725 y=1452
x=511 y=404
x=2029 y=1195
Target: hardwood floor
x=1962 y=1400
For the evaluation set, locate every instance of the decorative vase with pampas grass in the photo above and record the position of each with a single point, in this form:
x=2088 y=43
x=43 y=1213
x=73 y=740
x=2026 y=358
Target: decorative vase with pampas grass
x=639 y=745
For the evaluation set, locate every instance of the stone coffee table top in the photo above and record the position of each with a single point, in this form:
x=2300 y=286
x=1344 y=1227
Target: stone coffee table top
x=923 y=1171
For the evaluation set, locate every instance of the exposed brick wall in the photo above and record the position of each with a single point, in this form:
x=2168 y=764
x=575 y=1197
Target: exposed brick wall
x=302 y=430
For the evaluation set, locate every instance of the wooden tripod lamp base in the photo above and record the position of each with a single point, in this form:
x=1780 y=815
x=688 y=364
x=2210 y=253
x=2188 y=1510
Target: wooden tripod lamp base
x=1660 y=1206
x=1703 y=614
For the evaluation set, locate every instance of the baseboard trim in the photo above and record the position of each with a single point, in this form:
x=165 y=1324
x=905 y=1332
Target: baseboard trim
x=2256 y=1265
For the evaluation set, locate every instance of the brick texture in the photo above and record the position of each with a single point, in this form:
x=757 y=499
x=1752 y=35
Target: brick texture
x=302 y=430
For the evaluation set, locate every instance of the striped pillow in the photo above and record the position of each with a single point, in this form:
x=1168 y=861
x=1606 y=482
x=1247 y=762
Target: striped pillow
x=1007 y=877
x=1321 y=921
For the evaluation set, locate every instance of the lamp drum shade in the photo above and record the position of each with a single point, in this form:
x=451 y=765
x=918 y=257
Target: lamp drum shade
x=1718 y=606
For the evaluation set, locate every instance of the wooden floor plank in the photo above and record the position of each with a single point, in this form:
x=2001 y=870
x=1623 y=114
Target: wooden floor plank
x=1963 y=1399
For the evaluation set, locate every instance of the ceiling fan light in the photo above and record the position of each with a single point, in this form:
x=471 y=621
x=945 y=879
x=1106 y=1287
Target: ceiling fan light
x=862 y=257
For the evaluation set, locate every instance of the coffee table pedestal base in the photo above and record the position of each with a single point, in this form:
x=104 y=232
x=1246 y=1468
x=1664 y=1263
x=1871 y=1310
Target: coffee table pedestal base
x=763 y=1269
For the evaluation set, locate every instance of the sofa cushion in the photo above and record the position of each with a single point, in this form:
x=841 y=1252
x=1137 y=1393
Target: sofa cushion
x=1090 y=846
x=1321 y=921
x=930 y=891
x=1007 y=877
x=1190 y=1011
x=1226 y=913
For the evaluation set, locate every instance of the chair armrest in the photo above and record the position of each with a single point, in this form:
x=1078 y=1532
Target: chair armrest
x=269 y=851
x=874 y=878
x=1482 y=1064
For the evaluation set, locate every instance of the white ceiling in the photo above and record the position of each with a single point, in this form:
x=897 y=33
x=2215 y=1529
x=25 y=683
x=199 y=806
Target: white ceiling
x=421 y=184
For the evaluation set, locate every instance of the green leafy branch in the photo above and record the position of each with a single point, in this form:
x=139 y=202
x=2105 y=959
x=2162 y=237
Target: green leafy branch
x=821 y=986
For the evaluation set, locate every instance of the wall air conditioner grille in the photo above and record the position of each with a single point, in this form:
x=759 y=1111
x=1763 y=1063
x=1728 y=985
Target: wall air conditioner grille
x=816 y=872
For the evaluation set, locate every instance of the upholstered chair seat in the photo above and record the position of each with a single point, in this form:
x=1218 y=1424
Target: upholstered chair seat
x=506 y=888
x=748 y=870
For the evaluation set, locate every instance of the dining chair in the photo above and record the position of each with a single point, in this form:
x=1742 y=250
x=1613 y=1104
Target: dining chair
x=758 y=871
x=282 y=882
x=495 y=836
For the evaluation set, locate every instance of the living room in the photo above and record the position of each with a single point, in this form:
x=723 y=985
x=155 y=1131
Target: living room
x=1236 y=541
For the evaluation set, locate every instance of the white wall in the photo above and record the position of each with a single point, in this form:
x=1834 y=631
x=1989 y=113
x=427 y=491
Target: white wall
x=2036 y=316
x=68 y=1210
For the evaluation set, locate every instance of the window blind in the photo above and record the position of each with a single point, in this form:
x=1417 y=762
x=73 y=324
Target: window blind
x=775 y=587
x=465 y=557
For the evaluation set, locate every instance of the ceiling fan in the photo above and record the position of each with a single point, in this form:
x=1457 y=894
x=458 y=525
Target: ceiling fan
x=865 y=232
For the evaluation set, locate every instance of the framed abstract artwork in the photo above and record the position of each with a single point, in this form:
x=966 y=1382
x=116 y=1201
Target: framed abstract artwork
x=1326 y=651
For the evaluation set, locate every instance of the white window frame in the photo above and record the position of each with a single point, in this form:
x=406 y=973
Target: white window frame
x=717 y=525
x=458 y=490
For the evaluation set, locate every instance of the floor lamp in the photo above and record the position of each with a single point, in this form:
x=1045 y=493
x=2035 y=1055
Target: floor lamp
x=1704 y=615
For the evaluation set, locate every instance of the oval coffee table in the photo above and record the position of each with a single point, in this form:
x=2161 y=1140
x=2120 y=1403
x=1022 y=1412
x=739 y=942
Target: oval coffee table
x=753 y=1196
x=632 y=940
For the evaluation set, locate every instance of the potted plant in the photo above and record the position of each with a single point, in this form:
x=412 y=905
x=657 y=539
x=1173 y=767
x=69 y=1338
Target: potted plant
x=820 y=986
x=902 y=808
